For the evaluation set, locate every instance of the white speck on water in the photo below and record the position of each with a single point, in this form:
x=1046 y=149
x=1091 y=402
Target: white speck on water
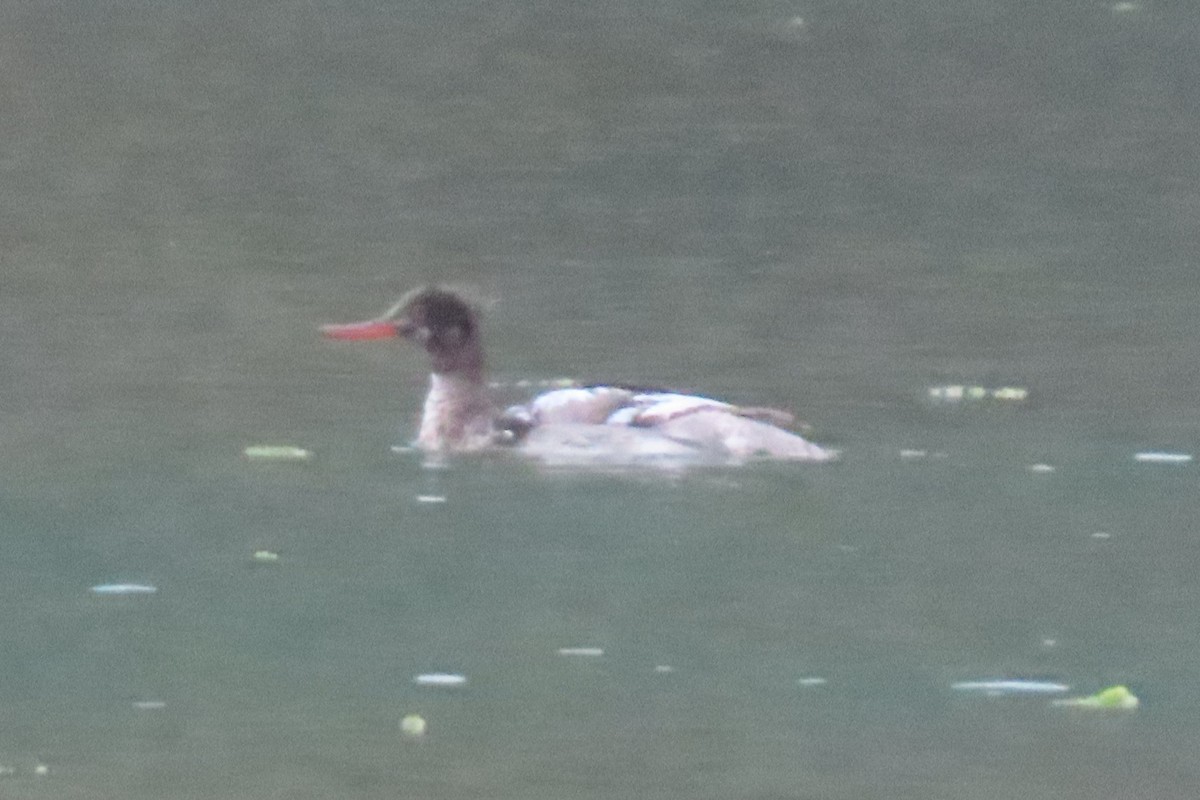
x=149 y=705
x=124 y=588
x=1011 y=393
x=586 y=652
x=1159 y=457
x=277 y=452
x=951 y=393
x=444 y=679
x=1010 y=686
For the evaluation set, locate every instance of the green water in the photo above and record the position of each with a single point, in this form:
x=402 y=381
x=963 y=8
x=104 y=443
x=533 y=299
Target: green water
x=830 y=215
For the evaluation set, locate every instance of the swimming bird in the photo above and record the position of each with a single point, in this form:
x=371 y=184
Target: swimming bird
x=602 y=423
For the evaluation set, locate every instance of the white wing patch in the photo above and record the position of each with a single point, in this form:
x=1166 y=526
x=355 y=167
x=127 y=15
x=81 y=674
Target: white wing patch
x=592 y=405
x=655 y=408
x=611 y=405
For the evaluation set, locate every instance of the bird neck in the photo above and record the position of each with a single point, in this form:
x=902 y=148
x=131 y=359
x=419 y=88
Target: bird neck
x=458 y=412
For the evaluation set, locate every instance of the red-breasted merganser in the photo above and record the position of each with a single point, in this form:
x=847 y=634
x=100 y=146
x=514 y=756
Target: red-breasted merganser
x=612 y=423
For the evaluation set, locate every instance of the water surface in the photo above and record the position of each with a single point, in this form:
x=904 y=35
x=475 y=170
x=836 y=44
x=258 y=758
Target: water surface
x=826 y=208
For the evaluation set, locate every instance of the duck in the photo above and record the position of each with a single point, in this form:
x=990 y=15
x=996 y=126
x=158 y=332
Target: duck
x=575 y=424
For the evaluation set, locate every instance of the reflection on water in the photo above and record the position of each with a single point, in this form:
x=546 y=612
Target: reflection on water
x=833 y=209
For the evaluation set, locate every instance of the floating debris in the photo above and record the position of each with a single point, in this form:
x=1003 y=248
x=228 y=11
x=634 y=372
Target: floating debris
x=913 y=453
x=951 y=394
x=1041 y=469
x=124 y=588
x=1010 y=686
x=265 y=557
x=1118 y=697
x=663 y=669
x=812 y=681
x=446 y=679
x=1159 y=457
x=431 y=498
x=276 y=452
x=41 y=770
x=956 y=393
x=149 y=705
x=413 y=725
x=1010 y=393
x=587 y=652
